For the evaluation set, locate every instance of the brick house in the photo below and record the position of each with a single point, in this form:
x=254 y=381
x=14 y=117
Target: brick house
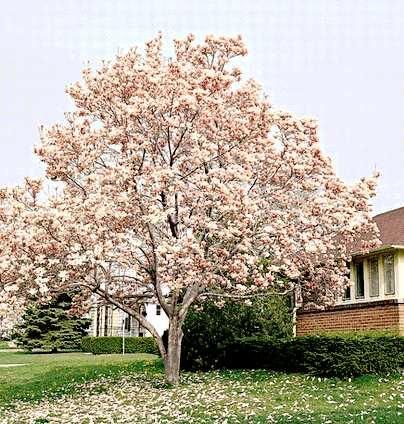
x=375 y=298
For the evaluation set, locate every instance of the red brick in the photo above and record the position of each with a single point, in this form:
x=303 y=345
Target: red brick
x=388 y=316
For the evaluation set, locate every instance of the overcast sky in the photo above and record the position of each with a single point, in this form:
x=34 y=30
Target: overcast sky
x=341 y=62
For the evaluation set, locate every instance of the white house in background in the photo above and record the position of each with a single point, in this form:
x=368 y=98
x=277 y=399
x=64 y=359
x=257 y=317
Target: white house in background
x=108 y=320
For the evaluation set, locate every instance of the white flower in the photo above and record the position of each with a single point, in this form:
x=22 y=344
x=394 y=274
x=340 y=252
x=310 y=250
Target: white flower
x=63 y=275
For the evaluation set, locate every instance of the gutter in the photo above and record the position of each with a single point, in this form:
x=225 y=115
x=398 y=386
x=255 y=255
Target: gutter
x=385 y=247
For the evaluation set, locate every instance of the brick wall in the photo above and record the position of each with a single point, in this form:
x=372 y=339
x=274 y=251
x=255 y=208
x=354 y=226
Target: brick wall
x=379 y=315
x=401 y=318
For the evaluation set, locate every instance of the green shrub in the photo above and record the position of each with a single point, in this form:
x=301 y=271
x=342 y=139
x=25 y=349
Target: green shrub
x=86 y=344
x=209 y=330
x=329 y=356
x=50 y=327
x=99 y=345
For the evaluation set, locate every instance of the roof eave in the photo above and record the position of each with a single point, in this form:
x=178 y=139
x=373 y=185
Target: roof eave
x=383 y=248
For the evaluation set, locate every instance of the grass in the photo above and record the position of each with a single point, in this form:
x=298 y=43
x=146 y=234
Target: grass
x=53 y=375
x=83 y=388
x=4 y=344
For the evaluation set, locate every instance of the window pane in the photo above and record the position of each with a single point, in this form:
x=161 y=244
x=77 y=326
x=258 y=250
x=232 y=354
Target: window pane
x=374 y=277
x=127 y=323
x=158 y=310
x=360 y=281
x=389 y=274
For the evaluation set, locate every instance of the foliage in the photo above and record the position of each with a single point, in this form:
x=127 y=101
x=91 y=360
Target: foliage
x=4 y=344
x=175 y=179
x=139 y=394
x=339 y=356
x=45 y=375
x=209 y=328
x=50 y=327
x=112 y=344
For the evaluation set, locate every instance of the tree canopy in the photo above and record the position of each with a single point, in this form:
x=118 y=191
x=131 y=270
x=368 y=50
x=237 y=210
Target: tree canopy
x=179 y=180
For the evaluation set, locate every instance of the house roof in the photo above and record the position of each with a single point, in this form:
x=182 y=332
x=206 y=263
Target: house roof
x=391 y=227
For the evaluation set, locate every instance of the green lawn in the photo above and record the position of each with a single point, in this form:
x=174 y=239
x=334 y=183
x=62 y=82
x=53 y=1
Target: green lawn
x=82 y=388
x=57 y=374
x=4 y=344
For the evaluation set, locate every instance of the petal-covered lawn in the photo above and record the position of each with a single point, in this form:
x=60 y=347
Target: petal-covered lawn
x=54 y=375
x=221 y=397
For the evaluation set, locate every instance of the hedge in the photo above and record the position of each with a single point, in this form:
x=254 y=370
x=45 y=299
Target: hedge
x=99 y=345
x=209 y=328
x=323 y=355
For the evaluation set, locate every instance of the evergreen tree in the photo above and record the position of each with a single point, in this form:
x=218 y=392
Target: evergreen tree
x=49 y=327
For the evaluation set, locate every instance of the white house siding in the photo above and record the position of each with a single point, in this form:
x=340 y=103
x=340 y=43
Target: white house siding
x=160 y=322
x=117 y=322
x=400 y=273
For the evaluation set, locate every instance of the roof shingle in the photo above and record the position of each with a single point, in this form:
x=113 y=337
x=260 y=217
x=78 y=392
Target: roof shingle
x=391 y=226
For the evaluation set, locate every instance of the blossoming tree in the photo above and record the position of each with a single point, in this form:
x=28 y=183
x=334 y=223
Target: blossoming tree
x=176 y=181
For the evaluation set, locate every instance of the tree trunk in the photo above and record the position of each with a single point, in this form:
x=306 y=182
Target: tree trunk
x=173 y=356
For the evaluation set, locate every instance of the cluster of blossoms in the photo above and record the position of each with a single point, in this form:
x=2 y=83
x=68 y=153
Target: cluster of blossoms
x=176 y=179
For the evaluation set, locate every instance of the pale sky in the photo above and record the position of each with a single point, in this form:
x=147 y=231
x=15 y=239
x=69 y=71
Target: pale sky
x=339 y=61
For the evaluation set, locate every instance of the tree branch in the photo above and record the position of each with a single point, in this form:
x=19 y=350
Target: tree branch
x=138 y=316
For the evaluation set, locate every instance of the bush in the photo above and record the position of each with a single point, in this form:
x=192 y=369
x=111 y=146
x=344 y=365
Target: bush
x=208 y=330
x=325 y=355
x=99 y=345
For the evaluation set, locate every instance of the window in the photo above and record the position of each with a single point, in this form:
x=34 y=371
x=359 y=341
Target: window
x=158 y=310
x=347 y=293
x=389 y=274
x=107 y=319
x=98 y=321
x=360 y=281
x=127 y=323
x=347 y=290
x=374 y=277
